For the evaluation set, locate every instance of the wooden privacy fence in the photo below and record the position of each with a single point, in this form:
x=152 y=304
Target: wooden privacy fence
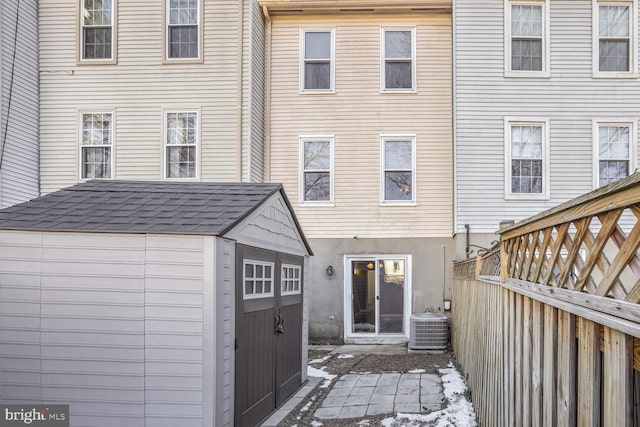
x=550 y=338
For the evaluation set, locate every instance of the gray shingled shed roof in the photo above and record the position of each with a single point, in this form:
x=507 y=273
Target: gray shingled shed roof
x=142 y=207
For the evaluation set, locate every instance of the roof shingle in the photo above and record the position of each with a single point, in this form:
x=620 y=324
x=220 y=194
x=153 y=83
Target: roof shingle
x=140 y=207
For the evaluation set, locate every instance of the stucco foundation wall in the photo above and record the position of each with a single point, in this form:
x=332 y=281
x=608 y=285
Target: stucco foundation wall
x=431 y=275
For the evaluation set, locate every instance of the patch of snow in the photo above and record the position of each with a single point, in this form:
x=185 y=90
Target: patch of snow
x=306 y=407
x=345 y=356
x=364 y=423
x=320 y=360
x=319 y=373
x=316 y=423
x=417 y=371
x=458 y=413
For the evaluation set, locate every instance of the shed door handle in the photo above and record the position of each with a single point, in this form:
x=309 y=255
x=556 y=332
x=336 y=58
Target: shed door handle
x=279 y=324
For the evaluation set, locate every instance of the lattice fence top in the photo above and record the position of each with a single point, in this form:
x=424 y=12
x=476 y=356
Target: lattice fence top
x=591 y=246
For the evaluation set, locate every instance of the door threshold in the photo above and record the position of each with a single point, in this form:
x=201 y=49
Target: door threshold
x=389 y=339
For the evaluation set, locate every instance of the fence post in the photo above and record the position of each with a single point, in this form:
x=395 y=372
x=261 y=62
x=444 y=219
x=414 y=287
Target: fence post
x=504 y=261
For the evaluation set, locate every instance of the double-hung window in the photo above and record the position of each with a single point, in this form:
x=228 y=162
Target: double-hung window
x=183 y=29
x=317 y=67
x=316 y=166
x=527 y=37
x=96 y=143
x=526 y=160
x=398 y=169
x=614 y=40
x=398 y=60
x=181 y=144
x=97 y=22
x=614 y=151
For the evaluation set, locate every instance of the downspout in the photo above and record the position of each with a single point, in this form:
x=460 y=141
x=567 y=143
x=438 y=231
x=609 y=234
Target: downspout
x=455 y=117
x=239 y=143
x=267 y=96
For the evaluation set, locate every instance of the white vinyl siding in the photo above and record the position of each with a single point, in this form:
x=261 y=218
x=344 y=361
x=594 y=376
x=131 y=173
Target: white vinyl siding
x=96 y=145
x=317 y=60
x=19 y=103
x=357 y=115
x=526 y=160
x=398 y=165
x=139 y=89
x=570 y=98
x=614 y=150
x=615 y=38
x=97 y=30
x=183 y=34
x=398 y=59
x=526 y=38
x=316 y=169
x=181 y=145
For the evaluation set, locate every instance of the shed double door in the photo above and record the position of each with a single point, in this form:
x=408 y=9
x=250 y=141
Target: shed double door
x=268 y=331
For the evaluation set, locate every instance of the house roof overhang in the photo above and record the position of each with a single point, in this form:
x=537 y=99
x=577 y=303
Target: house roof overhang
x=316 y=7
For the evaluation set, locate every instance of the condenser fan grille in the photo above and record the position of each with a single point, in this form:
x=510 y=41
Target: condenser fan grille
x=429 y=331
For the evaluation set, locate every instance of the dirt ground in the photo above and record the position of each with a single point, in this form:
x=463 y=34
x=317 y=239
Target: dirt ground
x=302 y=415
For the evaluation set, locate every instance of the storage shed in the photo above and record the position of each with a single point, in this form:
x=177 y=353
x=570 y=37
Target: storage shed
x=153 y=303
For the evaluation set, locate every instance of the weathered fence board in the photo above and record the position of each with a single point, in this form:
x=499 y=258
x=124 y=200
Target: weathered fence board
x=547 y=325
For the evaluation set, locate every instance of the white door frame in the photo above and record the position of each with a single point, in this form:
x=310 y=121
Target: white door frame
x=349 y=336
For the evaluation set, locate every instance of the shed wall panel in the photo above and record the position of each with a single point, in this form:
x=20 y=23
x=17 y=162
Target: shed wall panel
x=97 y=334
x=175 y=329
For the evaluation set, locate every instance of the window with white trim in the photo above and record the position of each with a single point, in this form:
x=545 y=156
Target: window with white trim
x=613 y=151
x=96 y=143
x=97 y=30
x=526 y=159
x=183 y=29
x=290 y=279
x=398 y=169
x=527 y=38
x=257 y=279
x=181 y=144
x=398 y=68
x=317 y=66
x=614 y=38
x=316 y=166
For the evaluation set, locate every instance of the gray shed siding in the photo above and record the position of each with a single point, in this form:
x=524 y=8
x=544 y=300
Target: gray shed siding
x=119 y=326
x=225 y=251
x=18 y=101
x=570 y=99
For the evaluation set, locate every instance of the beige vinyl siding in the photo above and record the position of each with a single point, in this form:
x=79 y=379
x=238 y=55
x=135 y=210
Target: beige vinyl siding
x=356 y=115
x=570 y=99
x=138 y=88
x=18 y=102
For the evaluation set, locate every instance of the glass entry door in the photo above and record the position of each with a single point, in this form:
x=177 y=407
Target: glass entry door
x=377 y=288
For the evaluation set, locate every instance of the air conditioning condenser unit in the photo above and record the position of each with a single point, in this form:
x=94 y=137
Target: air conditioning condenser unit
x=429 y=331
